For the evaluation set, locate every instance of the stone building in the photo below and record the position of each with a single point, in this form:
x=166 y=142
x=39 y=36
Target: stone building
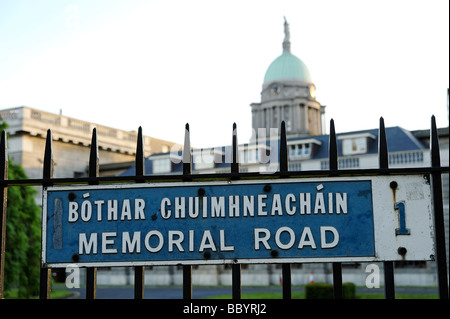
x=71 y=143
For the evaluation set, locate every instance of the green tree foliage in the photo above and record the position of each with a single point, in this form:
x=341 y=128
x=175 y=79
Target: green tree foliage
x=23 y=237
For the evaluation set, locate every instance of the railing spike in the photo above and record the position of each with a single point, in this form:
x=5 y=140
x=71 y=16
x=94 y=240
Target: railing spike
x=434 y=144
x=383 y=157
x=48 y=156
x=234 y=151
x=140 y=160
x=332 y=151
x=283 y=149
x=93 y=157
x=187 y=151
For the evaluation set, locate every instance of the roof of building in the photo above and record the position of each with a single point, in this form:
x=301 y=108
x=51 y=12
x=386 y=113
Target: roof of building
x=398 y=140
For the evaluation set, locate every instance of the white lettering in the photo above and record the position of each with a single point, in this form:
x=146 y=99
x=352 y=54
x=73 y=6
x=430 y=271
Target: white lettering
x=320 y=204
x=261 y=239
x=223 y=246
x=207 y=242
x=276 y=205
x=113 y=206
x=287 y=203
x=165 y=213
x=106 y=241
x=126 y=210
x=131 y=245
x=177 y=242
x=233 y=206
x=249 y=208
x=323 y=237
x=73 y=212
x=85 y=246
x=262 y=205
x=180 y=206
x=99 y=204
x=305 y=203
x=291 y=238
x=306 y=239
x=341 y=203
x=147 y=241
x=217 y=206
x=86 y=211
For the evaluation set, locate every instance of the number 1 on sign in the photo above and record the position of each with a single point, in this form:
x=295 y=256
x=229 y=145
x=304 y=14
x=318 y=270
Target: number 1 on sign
x=400 y=206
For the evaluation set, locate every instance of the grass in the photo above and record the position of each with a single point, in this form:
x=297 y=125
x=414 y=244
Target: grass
x=54 y=294
x=301 y=295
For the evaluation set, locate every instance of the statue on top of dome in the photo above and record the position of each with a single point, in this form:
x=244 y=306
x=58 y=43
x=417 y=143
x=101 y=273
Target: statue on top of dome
x=287 y=36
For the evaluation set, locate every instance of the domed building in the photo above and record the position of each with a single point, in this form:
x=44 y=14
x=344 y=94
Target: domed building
x=288 y=94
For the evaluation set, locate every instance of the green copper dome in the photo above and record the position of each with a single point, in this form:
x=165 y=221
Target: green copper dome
x=287 y=67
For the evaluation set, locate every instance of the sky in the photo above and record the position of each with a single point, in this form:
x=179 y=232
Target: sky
x=162 y=64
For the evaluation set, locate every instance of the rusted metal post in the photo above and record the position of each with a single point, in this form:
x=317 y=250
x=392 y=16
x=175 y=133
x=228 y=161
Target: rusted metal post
x=333 y=165
x=187 y=168
x=3 y=199
x=91 y=272
x=235 y=268
x=383 y=163
x=139 y=271
x=45 y=273
x=439 y=226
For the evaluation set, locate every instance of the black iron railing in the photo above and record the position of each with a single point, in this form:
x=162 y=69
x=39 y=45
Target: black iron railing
x=434 y=171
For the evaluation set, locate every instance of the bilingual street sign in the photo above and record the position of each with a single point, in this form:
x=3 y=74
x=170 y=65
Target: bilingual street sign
x=346 y=219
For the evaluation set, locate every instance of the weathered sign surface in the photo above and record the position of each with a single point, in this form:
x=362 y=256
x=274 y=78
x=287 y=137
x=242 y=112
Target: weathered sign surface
x=264 y=221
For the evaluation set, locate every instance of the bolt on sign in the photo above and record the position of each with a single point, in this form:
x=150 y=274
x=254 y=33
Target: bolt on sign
x=260 y=221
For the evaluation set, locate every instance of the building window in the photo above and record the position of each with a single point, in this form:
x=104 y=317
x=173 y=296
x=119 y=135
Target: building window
x=253 y=156
x=300 y=150
x=287 y=118
x=204 y=160
x=162 y=165
x=356 y=145
x=275 y=116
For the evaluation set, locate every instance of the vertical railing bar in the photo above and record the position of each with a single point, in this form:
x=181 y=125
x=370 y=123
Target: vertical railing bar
x=283 y=149
x=236 y=283
x=91 y=272
x=383 y=164
x=383 y=156
x=139 y=271
x=284 y=167
x=439 y=225
x=3 y=195
x=187 y=170
x=333 y=163
x=332 y=149
x=45 y=273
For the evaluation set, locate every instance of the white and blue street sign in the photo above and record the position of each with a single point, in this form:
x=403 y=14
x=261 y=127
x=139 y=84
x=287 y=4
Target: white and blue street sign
x=264 y=221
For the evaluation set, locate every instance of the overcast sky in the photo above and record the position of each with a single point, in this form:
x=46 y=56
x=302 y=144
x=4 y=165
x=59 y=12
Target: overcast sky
x=160 y=64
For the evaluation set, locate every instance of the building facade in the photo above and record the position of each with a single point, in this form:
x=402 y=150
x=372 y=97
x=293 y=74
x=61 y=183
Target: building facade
x=27 y=129
x=288 y=94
